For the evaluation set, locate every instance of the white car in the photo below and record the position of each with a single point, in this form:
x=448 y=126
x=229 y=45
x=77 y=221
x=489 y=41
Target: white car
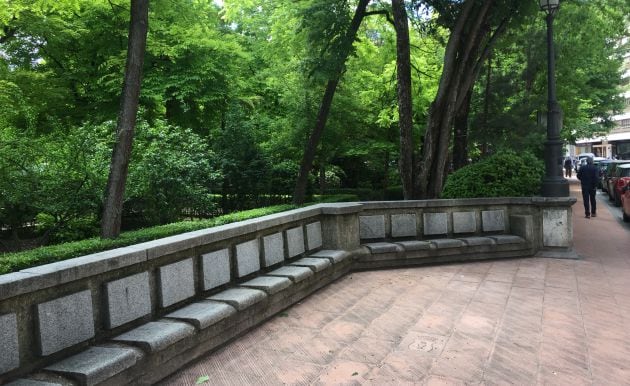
x=582 y=159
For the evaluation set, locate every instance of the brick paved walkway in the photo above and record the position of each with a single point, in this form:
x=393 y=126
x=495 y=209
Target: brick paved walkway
x=521 y=321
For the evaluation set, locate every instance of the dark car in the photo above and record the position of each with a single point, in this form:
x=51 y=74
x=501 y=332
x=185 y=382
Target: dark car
x=619 y=180
x=603 y=170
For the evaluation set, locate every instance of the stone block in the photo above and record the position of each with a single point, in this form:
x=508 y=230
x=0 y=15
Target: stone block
x=314 y=235
x=414 y=245
x=476 y=241
x=295 y=241
x=334 y=256
x=97 y=364
x=294 y=273
x=383 y=247
x=240 y=298
x=10 y=354
x=177 y=282
x=315 y=264
x=128 y=299
x=247 y=258
x=66 y=271
x=64 y=322
x=403 y=225
x=447 y=243
x=464 y=222
x=435 y=224
x=156 y=336
x=372 y=227
x=216 y=269
x=493 y=221
x=507 y=239
x=270 y=284
x=274 y=249
x=32 y=382
x=204 y=314
x=556 y=230
x=17 y=283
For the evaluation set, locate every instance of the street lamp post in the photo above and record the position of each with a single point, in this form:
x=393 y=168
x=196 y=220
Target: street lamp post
x=553 y=184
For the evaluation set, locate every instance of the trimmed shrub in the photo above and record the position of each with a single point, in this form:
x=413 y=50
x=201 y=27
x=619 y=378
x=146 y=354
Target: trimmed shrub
x=504 y=174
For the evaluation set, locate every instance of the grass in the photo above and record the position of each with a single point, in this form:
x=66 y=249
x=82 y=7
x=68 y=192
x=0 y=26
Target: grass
x=11 y=262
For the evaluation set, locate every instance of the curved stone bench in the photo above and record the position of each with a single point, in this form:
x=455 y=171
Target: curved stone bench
x=136 y=314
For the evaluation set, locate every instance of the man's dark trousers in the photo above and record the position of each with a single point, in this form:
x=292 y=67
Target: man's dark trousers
x=588 y=196
x=588 y=175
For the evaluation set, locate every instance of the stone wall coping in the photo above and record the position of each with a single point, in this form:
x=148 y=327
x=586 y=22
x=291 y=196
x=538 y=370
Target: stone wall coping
x=554 y=201
x=341 y=208
x=492 y=201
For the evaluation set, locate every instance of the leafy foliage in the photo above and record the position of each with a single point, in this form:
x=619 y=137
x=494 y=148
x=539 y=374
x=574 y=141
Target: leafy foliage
x=504 y=174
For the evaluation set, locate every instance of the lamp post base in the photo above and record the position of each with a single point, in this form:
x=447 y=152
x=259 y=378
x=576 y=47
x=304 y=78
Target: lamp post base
x=554 y=187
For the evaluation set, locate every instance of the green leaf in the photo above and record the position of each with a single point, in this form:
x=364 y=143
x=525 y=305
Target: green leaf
x=202 y=379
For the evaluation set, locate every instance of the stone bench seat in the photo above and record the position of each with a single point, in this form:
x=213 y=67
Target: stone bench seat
x=416 y=252
x=437 y=244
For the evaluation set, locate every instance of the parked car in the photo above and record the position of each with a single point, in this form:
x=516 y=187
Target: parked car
x=602 y=165
x=618 y=181
x=606 y=171
x=610 y=174
x=625 y=202
x=582 y=160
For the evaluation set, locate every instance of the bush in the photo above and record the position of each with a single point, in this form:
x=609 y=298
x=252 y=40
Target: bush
x=504 y=174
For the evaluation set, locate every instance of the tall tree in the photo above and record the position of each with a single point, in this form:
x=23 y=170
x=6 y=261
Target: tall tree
x=476 y=28
x=338 y=65
x=405 y=113
x=114 y=193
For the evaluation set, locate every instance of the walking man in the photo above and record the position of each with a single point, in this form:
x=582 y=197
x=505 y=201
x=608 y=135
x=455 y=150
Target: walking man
x=588 y=176
x=568 y=167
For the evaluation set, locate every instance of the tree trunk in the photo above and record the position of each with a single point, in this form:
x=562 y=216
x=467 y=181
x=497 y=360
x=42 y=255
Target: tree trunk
x=405 y=113
x=431 y=165
x=322 y=179
x=460 y=141
x=486 y=109
x=310 y=149
x=114 y=194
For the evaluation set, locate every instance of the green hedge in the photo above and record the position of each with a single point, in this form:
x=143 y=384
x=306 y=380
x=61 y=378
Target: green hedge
x=11 y=262
x=504 y=174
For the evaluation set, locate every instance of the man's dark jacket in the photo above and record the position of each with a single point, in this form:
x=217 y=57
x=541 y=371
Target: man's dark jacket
x=588 y=176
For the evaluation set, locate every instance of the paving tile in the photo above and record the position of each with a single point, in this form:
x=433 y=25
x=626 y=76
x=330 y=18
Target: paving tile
x=342 y=372
x=406 y=366
x=551 y=375
x=464 y=357
x=367 y=350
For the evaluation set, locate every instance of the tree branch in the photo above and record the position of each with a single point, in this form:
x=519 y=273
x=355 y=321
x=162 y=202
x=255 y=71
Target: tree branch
x=381 y=12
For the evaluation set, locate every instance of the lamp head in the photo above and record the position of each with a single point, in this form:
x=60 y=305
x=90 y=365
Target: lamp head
x=549 y=6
